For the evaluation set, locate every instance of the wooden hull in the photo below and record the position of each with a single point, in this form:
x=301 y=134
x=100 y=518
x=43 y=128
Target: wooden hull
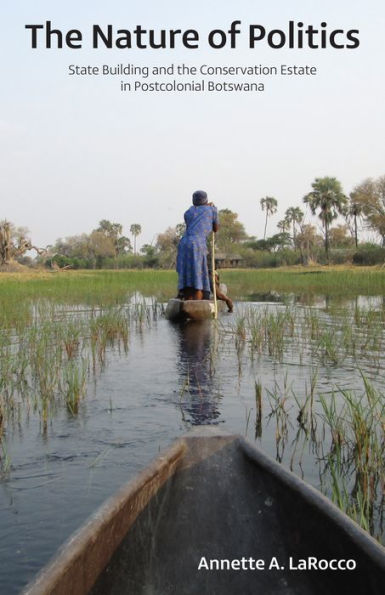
x=178 y=310
x=213 y=496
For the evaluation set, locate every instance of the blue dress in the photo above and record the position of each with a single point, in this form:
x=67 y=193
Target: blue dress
x=191 y=263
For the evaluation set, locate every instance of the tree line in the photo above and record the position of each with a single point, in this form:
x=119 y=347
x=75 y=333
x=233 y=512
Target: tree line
x=365 y=204
x=296 y=240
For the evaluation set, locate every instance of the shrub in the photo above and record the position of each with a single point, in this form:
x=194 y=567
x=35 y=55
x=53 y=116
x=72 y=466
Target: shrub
x=336 y=256
x=369 y=254
x=262 y=259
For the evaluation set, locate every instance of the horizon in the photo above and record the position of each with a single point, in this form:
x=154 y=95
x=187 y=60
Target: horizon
x=76 y=150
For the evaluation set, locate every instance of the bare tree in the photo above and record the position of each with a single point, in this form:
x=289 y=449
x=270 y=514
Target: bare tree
x=14 y=243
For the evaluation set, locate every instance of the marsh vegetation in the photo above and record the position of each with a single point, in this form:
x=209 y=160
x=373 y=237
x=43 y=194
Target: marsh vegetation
x=91 y=372
x=341 y=426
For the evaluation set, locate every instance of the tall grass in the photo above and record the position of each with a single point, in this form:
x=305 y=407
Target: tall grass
x=345 y=430
x=309 y=335
x=87 y=287
x=102 y=287
x=333 y=281
x=47 y=361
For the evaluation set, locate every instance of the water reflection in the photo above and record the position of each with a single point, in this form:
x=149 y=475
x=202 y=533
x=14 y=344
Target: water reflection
x=198 y=400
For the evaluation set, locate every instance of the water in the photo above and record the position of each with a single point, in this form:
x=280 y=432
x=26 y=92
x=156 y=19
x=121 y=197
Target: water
x=171 y=378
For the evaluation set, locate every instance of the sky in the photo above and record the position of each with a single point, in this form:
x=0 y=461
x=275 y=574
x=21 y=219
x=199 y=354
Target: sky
x=75 y=150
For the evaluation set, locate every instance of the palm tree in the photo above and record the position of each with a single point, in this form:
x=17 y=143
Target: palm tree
x=283 y=225
x=354 y=211
x=294 y=216
x=268 y=204
x=327 y=197
x=113 y=231
x=135 y=230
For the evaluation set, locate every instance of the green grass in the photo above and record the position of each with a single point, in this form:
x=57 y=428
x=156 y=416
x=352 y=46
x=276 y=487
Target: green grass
x=332 y=281
x=103 y=288
x=107 y=287
x=88 y=287
x=19 y=293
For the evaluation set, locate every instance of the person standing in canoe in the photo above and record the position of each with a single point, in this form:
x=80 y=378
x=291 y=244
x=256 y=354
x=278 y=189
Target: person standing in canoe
x=191 y=264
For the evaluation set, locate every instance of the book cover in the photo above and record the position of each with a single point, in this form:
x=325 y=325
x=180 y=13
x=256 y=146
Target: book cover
x=121 y=124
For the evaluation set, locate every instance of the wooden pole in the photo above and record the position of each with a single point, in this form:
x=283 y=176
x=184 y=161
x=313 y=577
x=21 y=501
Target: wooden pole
x=213 y=275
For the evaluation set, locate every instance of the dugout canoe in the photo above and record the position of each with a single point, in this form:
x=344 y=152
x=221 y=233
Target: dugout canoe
x=215 y=500
x=178 y=310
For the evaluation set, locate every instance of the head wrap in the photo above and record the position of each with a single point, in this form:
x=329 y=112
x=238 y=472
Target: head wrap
x=199 y=198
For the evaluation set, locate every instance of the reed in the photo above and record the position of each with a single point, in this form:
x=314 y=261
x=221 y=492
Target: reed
x=258 y=403
x=74 y=383
x=46 y=360
x=2 y=416
x=355 y=462
x=344 y=431
x=326 y=338
x=5 y=462
x=280 y=405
